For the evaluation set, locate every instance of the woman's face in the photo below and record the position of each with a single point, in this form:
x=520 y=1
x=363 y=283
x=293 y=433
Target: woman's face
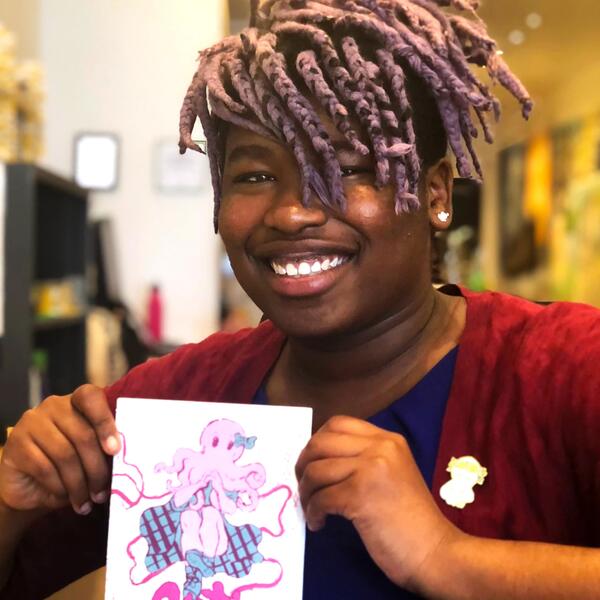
x=316 y=271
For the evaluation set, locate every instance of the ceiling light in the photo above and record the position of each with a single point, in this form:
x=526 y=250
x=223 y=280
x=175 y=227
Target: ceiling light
x=516 y=37
x=499 y=52
x=534 y=20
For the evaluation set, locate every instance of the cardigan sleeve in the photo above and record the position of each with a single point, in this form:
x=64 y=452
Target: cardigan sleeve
x=57 y=549
x=583 y=435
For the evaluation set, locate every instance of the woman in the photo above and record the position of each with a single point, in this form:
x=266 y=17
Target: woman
x=327 y=133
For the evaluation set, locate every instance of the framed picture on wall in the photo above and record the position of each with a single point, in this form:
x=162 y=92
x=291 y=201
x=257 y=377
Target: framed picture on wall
x=177 y=173
x=517 y=231
x=97 y=161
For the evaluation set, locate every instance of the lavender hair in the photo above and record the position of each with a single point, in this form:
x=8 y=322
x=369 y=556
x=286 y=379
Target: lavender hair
x=371 y=63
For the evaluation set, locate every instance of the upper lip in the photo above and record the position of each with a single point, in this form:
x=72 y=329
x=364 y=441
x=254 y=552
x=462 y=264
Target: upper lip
x=301 y=249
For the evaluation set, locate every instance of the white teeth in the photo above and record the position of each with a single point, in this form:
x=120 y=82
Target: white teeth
x=277 y=268
x=304 y=268
x=307 y=267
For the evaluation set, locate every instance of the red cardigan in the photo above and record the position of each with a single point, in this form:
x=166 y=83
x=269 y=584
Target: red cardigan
x=525 y=401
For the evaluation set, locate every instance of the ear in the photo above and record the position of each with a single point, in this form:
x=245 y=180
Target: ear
x=438 y=194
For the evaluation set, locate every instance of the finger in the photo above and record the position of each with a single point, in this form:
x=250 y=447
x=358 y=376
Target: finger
x=330 y=445
x=350 y=425
x=83 y=437
x=32 y=462
x=331 y=500
x=65 y=459
x=91 y=402
x=323 y=473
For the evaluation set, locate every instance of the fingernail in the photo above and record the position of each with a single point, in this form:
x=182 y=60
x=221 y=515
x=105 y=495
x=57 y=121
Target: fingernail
x=84 y=509
x=112 y=443
x=100 y=497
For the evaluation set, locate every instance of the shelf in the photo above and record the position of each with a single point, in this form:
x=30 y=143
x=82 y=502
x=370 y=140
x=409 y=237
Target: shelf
x=45 y=240
x=56 y=182
x=57 y=323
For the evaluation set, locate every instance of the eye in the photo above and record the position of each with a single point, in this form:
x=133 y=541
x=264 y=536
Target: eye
x=349 y=171
x=253 y=178
x=230 y=446
x=215 y=442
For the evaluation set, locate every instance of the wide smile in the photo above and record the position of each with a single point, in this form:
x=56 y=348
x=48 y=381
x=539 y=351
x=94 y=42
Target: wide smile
x=305 y=275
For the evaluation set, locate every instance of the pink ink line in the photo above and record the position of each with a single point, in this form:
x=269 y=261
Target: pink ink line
x=253 y=586
x=142 y=496
x=130 y=479
x=132 y=558
x=124 y=456
x=141 y=492
x=279 y=518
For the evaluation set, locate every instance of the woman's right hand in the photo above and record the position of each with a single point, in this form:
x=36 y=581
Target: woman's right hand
x=57 y=454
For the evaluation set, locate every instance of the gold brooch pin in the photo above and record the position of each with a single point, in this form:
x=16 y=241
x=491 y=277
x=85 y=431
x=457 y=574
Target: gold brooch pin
x=465 y=474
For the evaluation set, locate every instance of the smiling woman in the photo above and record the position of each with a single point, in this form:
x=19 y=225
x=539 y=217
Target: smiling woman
x=328 y=123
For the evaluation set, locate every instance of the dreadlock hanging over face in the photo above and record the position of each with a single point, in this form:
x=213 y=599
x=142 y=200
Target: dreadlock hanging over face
x=392 y=75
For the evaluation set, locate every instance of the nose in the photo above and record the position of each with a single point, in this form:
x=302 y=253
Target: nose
x=288 y=215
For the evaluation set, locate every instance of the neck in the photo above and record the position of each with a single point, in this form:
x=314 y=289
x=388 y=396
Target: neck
x=400 y=338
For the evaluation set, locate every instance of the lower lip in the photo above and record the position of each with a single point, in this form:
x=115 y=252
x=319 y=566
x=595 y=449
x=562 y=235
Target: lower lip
x=306 y=285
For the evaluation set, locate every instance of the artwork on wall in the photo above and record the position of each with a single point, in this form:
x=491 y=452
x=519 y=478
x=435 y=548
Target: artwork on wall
x=177 y=173
x=97 y=161
x=549 y=207
x=575 y=248
x=517 y=252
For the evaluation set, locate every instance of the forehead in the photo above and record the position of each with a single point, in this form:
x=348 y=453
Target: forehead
x=238 y=135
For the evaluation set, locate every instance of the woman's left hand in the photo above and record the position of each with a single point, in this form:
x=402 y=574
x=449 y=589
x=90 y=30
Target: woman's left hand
x=368 y=475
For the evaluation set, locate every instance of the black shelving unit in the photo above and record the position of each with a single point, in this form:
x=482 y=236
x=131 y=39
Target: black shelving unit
x=45 y=239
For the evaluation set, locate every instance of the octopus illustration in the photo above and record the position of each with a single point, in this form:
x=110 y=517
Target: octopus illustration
x=212 y=485
x=192 y=526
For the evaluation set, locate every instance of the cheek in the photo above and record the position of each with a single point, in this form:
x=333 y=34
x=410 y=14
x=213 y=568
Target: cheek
x=372 y=211
x=237 y=220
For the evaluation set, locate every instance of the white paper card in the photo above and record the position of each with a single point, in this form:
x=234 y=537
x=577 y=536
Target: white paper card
x=204 y=502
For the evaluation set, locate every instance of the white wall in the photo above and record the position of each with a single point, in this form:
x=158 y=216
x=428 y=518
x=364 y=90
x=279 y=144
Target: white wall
x=123 y=66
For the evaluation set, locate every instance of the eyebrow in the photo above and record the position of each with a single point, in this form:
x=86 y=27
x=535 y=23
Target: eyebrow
x=342 y=146
x=244 y=151
x=257 y=151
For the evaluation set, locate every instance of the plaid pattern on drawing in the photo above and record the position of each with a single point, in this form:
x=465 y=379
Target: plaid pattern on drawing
x=160 y=527
x=242 y=552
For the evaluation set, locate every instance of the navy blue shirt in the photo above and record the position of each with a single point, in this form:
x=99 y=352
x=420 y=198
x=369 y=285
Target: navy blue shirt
x=337 y=565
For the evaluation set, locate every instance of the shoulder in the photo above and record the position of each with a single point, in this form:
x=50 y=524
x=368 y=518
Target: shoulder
x=543 y=350
x=548 y=354
x=184 y=373
x=219 y=348
x=568 y=329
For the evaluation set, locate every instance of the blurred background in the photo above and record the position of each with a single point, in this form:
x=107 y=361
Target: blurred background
x=108 y=253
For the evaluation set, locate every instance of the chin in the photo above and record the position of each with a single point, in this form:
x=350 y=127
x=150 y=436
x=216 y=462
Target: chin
x=315 y=322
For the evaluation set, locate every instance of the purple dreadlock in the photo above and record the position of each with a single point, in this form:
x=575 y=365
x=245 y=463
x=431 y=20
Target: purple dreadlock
x=361 y=61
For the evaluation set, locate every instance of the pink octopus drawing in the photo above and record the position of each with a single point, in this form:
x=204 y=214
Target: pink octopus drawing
x=225 y=486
